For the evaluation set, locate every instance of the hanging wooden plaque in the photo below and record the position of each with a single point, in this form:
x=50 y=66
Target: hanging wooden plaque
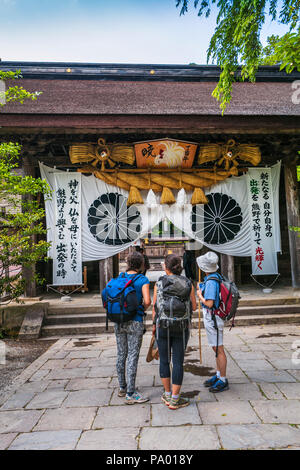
x=165 y=153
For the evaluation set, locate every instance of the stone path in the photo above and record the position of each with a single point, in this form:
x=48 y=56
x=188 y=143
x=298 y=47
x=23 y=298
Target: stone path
x=67 y=399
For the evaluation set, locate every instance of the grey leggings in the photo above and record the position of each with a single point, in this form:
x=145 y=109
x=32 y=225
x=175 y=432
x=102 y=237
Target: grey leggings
x=129 y=340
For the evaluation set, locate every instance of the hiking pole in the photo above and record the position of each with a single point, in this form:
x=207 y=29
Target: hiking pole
x=199 y=321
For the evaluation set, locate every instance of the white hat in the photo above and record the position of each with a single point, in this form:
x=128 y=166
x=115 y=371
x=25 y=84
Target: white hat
x=208 y=262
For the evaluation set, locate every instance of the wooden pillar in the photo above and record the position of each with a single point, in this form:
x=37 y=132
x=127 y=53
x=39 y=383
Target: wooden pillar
x=293 y=218
x=227 y=267
x=105 y=271
x=116 y=265
x=28 y=273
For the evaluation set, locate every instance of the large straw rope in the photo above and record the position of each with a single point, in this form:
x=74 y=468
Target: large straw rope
x=111 y=179
x=156 y=181
x=193 y=180
x=247 y=152
x=169 y=182
x=214 y=175
x=85 y=152
x=82 y=153
x=141 y=181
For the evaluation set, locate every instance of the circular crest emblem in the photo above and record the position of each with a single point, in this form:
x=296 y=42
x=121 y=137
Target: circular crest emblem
x=217 y=222
x=113 y=223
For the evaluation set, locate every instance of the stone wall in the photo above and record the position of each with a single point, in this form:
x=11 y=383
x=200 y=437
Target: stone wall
x=12 y=315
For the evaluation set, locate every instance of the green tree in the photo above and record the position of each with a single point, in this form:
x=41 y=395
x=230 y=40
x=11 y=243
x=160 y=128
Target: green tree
x=21 y=217
x=15 y=93
x=283 y=51
x=236 y=43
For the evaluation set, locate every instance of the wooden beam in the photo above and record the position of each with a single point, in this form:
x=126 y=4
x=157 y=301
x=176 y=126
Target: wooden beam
x=159 y=171
x=124 y=124
x=293 y=218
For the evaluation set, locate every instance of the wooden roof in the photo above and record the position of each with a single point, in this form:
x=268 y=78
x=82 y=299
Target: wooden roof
x=124 y=89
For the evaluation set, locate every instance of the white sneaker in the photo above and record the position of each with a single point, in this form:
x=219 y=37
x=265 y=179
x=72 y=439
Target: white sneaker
x=135 y=398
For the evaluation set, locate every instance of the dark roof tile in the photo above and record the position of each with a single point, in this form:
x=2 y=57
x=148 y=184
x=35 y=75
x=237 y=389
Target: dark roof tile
x=160 y=97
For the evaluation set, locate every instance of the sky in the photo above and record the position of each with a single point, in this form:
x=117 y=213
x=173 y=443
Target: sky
x=107 y=31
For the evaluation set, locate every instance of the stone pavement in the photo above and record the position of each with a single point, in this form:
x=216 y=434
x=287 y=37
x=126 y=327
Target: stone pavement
x=67 y=398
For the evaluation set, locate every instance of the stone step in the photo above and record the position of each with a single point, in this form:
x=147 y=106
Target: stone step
x=253 y=320
x=70 y=309
x=268 y=309
x=57 y=331
x=267 y=319
x=270 y=300
x=86 y=317
x=97 y=318
x=74 y=319
x=79 y=329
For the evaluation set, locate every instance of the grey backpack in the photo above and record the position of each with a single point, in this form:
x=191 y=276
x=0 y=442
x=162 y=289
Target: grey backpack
x=173 y=306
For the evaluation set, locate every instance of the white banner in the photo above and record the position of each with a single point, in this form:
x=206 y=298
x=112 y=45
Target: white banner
x=67 y=266
x=224 y=224
x=108 y=224
x=263 y=249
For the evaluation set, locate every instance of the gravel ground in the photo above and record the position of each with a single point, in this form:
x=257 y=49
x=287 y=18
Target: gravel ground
x=18 y=355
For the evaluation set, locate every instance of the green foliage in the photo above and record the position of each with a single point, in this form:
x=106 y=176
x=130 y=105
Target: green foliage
x=283 y=51
x=15 y=93
x=236 y=41
x=21 y=223
x=22 y=234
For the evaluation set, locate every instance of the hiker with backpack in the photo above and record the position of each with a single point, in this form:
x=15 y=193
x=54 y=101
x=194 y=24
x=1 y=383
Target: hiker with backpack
x=125 y=299
x=219 y=298
x=174 y=300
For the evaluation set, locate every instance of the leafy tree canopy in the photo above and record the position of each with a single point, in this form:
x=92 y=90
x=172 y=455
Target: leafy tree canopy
x=22 y=233
x=15 y=93
x=236 y=41
x=21 y=222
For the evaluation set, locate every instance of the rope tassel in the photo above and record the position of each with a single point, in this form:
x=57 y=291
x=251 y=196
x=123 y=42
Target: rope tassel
x=134 y=196
x=167 y=197
x=198 y=197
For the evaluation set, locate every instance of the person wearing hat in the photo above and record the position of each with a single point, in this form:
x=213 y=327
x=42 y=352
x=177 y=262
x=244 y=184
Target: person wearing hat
x=208 y=293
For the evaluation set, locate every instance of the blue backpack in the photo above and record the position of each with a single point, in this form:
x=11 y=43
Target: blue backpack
x=120 y=300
